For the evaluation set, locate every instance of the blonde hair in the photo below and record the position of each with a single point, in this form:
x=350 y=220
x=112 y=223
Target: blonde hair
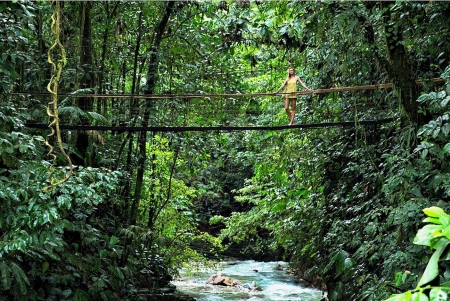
x=290 y=69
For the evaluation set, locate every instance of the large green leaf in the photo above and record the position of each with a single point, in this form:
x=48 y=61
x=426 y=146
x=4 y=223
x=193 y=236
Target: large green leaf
x=434 y=211
x=432 y=269
x=426 y=234
x=400 y=297
x=419 y=296
x=438 y=294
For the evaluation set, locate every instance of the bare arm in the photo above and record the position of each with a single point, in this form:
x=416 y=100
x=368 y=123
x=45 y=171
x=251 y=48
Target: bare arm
x=282 y=85
x=301 y=83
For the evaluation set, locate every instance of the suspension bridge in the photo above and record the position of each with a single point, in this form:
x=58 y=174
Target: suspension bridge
x=317 y=108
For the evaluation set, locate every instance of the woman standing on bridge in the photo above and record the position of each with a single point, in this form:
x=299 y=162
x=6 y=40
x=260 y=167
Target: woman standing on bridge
x=290 y=93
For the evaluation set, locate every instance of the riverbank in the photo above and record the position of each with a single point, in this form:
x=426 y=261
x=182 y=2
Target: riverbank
x=306 y=280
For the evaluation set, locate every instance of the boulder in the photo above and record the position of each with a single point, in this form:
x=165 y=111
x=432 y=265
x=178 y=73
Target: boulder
x=228 y=281
x=213 y=278
x=218 y=280
x=279 y=267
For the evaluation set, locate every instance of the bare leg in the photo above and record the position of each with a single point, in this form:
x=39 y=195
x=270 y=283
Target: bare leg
x=286 y=107
x=294 y=102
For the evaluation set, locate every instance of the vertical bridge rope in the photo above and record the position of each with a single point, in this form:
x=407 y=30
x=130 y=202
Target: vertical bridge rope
x=52 y=108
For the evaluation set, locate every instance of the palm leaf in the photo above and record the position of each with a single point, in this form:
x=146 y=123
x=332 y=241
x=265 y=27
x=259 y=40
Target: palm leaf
x=93 y=116
x=5 y=275
x=72 y=112
x=20 y=278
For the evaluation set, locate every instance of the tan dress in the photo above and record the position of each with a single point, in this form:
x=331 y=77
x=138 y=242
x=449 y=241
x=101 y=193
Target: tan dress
x=291 y=88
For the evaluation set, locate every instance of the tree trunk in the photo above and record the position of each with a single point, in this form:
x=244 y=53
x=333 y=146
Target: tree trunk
x=102 y=104
x=400 y=67
x=136 y=51
x=87 y=81
x=150 y=88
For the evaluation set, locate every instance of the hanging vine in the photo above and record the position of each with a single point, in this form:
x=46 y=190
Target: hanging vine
x=52 y=87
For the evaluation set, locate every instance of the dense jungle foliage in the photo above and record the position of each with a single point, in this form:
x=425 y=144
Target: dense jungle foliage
x=342 y=204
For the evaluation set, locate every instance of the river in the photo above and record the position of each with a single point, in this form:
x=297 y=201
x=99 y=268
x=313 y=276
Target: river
x=271 y=277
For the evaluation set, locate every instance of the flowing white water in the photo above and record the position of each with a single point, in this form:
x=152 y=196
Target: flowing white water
x=276 y=284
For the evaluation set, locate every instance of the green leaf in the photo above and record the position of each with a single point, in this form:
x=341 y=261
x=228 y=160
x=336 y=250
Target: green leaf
x=93 y=116
x=26 y=11
x=119 y=273
x=432 y=270
x=20 y=278
x=423 y=97
x=54 y=212
x=400 y=297
x=45 y=267
x=437 y=294
x=446 y=148
x=426 y=234
x=445 y=129
x=419 y=297
x=398 y=278
x=446 y=72
x=73 y=112
x=416 y=192
x=17 y=271
x=67 y=293
x=113 y=241
x=433 y=220
x=348 y=263
x=23 y=148
x=279 y=207
x=445 y=101
x=80 y=295
x=434 y=211
x=5 y=275
x=445 y=220
x=436 y=132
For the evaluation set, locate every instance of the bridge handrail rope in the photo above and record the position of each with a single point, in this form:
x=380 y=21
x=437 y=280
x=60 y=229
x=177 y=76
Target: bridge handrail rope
x=225 y=95
x=215 y=128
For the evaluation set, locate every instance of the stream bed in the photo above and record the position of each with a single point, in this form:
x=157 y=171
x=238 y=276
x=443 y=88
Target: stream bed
x=271 y=279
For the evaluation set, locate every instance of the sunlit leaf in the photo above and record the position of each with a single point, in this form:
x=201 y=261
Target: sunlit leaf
x=432 y=269
x=426 y=234
x=434 y=211
x=437 y=294
x=419 y=296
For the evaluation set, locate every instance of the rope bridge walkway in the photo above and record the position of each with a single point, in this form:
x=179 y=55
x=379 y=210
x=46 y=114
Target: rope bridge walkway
x=121 y=129
x=318 y=108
